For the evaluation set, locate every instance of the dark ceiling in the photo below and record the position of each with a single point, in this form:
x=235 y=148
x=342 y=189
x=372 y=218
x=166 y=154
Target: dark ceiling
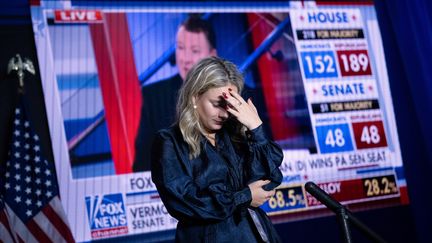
x=14 y=12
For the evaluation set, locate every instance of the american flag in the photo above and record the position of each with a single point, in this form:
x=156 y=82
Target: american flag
x=30 y=207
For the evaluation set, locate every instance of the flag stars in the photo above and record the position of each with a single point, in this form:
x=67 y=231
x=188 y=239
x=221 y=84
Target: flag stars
x=17 y=188
x=17 y=133
x=29 y=183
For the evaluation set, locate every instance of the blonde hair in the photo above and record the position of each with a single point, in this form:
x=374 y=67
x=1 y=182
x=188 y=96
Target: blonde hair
x=211 y=72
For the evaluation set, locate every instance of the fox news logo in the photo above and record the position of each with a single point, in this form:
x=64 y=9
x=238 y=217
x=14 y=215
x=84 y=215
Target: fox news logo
x=107 y=215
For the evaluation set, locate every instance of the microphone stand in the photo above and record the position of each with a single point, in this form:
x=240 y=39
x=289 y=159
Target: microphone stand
x=343 y=221
x=345 y=217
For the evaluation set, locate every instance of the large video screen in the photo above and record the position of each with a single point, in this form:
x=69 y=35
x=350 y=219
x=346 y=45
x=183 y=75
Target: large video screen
x=316 y=73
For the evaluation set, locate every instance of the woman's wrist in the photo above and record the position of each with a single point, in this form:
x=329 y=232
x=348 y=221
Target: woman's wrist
x=254 y=125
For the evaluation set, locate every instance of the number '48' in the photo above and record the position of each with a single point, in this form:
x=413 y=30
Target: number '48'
x=370 y=135
x=335 y=138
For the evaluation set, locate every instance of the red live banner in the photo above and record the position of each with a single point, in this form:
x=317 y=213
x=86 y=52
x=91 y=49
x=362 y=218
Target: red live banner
x=77 y=16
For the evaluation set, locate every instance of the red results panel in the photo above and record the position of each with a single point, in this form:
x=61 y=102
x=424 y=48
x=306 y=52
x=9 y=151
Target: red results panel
x=369 y=134
x=354 y=62
x=339 y=190
x=357 y=189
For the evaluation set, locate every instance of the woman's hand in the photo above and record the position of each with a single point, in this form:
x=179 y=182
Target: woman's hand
x=245 y=112
x=259 y=195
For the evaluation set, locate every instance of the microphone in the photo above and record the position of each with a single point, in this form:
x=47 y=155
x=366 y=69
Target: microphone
x=323 y=197
x=343 y=213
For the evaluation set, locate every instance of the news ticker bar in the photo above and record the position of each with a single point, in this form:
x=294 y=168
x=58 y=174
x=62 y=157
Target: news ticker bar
x=294 y=198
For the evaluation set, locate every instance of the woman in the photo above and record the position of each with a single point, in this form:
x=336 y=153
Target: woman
x=214 y=167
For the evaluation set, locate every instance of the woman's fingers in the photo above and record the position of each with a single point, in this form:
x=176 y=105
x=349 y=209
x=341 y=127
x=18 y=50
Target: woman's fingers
x=245 y=112
x=249 y=101
x=233 y=99
x=237 y=97
x=259 y=195
x=272 y=193
x=260 y=183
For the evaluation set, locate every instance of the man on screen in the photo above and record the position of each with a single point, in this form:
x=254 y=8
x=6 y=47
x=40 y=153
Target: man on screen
x=195 y=40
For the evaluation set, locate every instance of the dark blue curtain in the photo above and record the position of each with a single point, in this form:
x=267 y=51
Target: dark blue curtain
x=406 y=27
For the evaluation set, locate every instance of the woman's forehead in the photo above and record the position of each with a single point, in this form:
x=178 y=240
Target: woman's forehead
x=214 y=92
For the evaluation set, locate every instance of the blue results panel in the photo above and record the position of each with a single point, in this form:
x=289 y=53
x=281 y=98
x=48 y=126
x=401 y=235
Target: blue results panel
x=319 y=64
x=334 y=138
x=288 y=198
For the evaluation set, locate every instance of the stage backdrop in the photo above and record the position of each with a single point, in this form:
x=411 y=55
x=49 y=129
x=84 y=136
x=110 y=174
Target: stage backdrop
x=316 y=72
